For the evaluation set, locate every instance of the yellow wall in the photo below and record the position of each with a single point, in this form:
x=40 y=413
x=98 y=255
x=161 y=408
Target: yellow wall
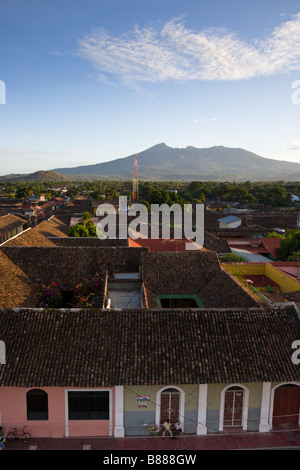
x=246 y=268
x=131 y=404
x=191 y=396
x=214 y=395
x=287 y=283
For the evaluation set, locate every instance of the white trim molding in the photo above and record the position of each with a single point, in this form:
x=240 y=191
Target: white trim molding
x=264 y=424
x=67 y=390
x=119 y=411
x=202 y=408
x=245 y=405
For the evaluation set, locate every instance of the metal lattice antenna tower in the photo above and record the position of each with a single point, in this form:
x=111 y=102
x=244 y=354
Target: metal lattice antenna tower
x=135 y=189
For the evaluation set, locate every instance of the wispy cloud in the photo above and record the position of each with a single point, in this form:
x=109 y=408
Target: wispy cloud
x=171 y=51
x=292 y=145
x=56 y=52
x=204 y=120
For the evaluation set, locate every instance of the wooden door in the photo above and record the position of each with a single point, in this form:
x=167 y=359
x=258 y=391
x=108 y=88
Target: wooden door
x=169 y=405
x=233 y=407
x=286 y=404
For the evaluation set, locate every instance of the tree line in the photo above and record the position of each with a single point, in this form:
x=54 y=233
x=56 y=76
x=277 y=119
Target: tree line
x=275 y=194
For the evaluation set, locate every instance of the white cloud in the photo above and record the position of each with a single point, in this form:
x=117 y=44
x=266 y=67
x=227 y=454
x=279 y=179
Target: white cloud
x=292 y=145
x=171 y=51
x=204 y=120
x=55 y=52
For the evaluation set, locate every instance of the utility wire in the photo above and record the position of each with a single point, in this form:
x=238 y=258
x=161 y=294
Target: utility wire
x=209 y=426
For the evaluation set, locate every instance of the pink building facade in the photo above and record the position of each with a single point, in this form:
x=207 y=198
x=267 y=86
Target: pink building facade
x=61 y=414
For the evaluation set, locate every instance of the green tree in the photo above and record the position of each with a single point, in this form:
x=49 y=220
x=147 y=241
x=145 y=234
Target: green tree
x=232 y=257
x=85 y=218
x=295 y=256
x=159 y=197
x=78 y=230
x=23 y=192
x=91 y=228
x=275 y=235
x=289 y=245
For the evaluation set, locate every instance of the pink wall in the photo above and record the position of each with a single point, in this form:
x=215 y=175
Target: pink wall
x=13 y=414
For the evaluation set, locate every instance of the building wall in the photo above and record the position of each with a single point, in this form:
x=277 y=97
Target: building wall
x=13 y=413
x=214 y=402
x=250 y=269
x=233 y=224
x=137 y=419
x=287 y=283
x=284 y=280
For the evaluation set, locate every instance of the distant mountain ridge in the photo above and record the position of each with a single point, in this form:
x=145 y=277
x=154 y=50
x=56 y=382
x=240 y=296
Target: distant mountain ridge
x=161 y=162
x=42 y=175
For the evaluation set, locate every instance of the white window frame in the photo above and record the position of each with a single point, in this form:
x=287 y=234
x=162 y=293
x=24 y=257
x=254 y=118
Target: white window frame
x=67 y=390
x=181 y=404
x=245 y=406
x=273 y=397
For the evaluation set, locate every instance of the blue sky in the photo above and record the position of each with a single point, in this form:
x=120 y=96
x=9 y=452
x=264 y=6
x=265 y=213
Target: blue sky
x=94 y=80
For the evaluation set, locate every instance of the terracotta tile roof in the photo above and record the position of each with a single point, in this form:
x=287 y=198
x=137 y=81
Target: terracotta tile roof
x=266 y=220
x=10 y=221
x=16 y=287
x=163 y=244
x=71 y=265
x=192 y=273
x=78 y=241
x=30 y=237
x=272 y=245
x=72 y=348
x=273 y=219
x=50 y=228
x=211 y=242
x=293 y=296
x=62 y=219
x=254 y=246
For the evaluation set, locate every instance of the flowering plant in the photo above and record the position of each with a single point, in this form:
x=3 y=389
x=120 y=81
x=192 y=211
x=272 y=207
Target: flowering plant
x=51 y=296
x=84 y=290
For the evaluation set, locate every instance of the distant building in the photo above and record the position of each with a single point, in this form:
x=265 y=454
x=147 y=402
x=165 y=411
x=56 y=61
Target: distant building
x=11 y=225
x=36 y=198
x=215 y=206
x=229 y=222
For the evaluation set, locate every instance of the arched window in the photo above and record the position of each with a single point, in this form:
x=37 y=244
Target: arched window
x=286 y=404
x=170 y=402
x=169 y=405
x=37 y=405
x=234 y=407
